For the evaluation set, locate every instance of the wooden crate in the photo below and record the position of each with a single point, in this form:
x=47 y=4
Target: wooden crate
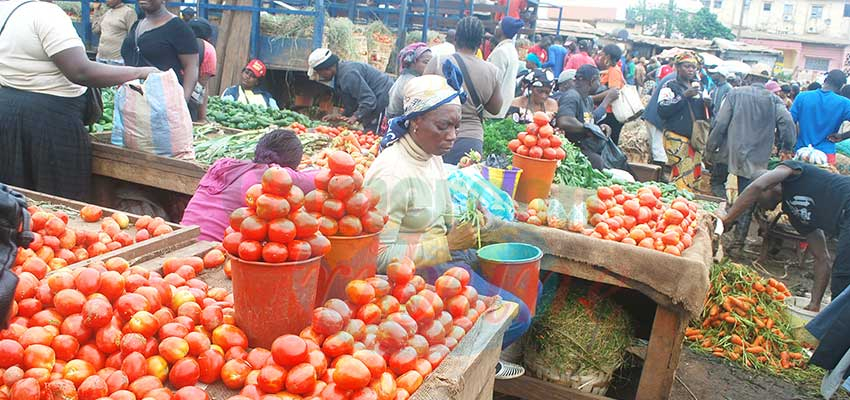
x=180 y=237
x=466 y=374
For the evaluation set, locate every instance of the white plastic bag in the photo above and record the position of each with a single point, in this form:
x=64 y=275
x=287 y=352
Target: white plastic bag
x=628 y=105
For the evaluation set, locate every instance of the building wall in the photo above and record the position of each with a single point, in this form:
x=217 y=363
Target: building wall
x=797 y=54
x=785 y=16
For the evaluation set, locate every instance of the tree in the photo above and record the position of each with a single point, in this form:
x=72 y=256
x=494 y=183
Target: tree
x=669 y=20
x=703 y=25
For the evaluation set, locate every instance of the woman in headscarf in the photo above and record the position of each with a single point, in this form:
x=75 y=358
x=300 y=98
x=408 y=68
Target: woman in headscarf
x=532 y=62
x=412 y=182
x=680 y=103
x=412 y=61
x=539 y=83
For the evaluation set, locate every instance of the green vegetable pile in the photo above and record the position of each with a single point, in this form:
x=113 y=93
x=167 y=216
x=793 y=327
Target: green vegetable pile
x=237 y=115
x=575 y=170
x=210 y=148
x=105 y=122
x=497 y=134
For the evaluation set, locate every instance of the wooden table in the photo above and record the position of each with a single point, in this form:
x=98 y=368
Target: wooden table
x=144 y=168
x=662 y=359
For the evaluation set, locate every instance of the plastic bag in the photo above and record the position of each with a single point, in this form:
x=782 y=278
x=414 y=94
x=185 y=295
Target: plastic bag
x=556 y=216
x=152 y=116
x=464 y=181
x=811 y=155
x=577 y=218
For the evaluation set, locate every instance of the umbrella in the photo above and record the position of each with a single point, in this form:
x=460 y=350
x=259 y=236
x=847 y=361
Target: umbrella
x=735 y=66
x=710 y=60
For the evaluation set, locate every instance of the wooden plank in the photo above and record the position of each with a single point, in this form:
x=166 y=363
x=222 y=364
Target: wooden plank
x=530 y=388
x=470 y=367
x=178 y=238
x=117 y=153
x=145 y=175
x=646 y=172
x=580 y=270
x=199 y=248
x=662 y=355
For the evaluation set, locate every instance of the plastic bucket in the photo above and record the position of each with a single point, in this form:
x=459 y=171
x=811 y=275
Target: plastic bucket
x=514 y=267
x=536 y=178
x=505 y=179
x=273 y=299
x=350 y=258
x=798 y=317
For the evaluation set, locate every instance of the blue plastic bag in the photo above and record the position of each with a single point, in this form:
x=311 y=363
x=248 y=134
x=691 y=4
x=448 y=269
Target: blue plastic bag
x=468 y=181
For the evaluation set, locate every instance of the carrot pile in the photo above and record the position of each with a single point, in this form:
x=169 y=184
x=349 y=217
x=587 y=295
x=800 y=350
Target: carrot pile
x=744 y=321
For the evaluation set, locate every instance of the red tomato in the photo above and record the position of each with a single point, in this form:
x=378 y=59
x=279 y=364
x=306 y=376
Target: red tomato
x=295 y=198
x=299 y=250
x=314 y=200
x=210 y=363
x=546 y=131
x=271 y=378
x=190 y=393
x=319 y=245
x=227 y=336
x=404 y=360
x=448 y=286
x=338 y=344
x=234 y=372
x=420 y=308
x=270 y=206
x=341 y=187
x=350 y=225
x=322 y=179
x=530 y=141
x=254 y=228
x=231 y=242
x=359 y=292
x=604 y=193
x=238 y=215
x=328 y=226
x=333 y=208
x=392 y=335
x=358 y=204
x=326 y=321
x=555 y=141
x=522 y=150
x=550 y=153
x=290 y=350
x=401 y=272
x=372 y=222
x=351 y=374
x=276 y=181
x=281 y=230
x=184 y=372
x=341 y=162
x=305 y=225
x=514 y=144
x=540 y=118
x=251 y=196
x=250 y=250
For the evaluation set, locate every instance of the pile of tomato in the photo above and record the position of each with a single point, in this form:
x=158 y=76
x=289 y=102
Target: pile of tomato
x=641 y=219
x=380 y=343
x=274 y=227
x=341 y=203
x=55 y=245
x=119 y=331
x=539 y=140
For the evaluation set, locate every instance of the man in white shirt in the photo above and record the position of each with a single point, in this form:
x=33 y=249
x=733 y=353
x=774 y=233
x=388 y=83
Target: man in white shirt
x=506 y=59
x=446 y=48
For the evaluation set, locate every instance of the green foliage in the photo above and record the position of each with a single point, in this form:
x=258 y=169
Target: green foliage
x=666 y=20
x=702 y=25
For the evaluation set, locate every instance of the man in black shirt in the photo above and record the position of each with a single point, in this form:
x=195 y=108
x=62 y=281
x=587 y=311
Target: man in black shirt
x=816 y=202
x=577 y=116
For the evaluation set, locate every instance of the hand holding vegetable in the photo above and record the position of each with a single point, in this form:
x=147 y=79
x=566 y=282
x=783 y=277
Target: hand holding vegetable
x=462 y=236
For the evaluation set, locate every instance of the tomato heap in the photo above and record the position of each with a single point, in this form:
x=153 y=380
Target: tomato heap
x=379 y=344
x=274 y=227
x=341 y=203
x=363 y=151
x=119 y=331
x=642 y=219
x=538 y=140
x=55 y=245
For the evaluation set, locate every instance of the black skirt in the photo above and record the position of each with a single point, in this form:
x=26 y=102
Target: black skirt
x=43 y=143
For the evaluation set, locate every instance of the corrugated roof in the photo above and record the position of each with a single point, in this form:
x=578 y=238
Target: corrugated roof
x=568 y=28
x=815 y=39
x=731 y=45
x=664 y=43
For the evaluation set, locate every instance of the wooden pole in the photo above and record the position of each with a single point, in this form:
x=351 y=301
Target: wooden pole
x=234 y=42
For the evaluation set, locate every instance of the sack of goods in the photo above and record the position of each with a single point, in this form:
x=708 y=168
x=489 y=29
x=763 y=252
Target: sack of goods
x=152 y=116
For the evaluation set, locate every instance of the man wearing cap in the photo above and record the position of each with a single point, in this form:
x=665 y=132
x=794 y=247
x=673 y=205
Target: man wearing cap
x=819 y=114
x=581 y=58
x=187 y=13
x=742 y=138
x=577 y=116
x=566 y=81
x=248 y=90
x=506 y=59
x=365 y=91
x=721 y=88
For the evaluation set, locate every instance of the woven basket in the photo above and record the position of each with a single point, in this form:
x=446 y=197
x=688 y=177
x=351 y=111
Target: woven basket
x=589 y=380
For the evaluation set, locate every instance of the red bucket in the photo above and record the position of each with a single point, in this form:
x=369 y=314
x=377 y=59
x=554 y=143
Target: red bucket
x=351 y=257
x=536 y=179
x=273 y=299
x=514 y=267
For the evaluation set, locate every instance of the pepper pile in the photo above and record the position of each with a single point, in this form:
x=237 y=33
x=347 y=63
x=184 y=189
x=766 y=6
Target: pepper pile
x=538 y=140
x=341 y=204
x=233 y=114
x=274 y=227
x=744 y=321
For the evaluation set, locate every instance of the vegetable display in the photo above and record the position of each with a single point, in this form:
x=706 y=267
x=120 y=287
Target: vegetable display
x=274 y=227
x=56 y=245
x=542 y=212
x=538 y=140
x=105 y=122
x=237 y=115
x=241 y=146
x=340 y=203
x=497 y=134
x=744 y=321
x=641 y=219
x=348 y=142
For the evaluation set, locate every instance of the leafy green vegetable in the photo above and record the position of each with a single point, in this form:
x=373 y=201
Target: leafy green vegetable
x=105 y=122
x=237 y=115
x=497 y=134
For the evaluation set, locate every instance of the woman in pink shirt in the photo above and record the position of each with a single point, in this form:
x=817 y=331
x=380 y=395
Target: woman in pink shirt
x=223 y=187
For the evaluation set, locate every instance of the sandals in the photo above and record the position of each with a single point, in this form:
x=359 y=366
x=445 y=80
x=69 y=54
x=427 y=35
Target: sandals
x=508 y=370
